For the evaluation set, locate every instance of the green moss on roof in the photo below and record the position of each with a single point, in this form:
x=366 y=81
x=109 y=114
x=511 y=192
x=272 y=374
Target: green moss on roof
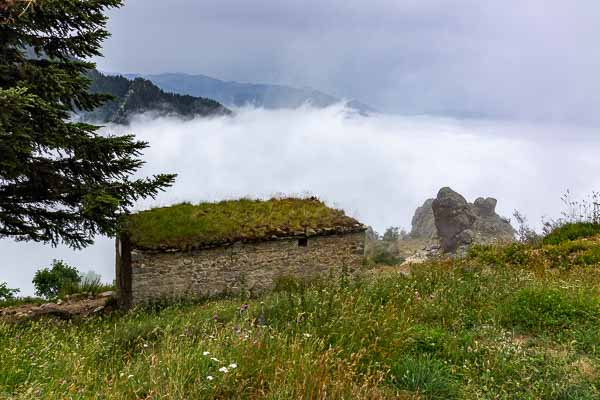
x=186 y=226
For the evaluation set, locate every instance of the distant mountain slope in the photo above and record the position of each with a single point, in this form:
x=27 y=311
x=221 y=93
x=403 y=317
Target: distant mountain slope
x=236 y=94
x=140 y=95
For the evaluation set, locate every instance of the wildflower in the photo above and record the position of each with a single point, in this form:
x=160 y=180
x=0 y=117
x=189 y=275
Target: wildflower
x=129 y=376
x=223 y=370
x=244 y=307
x=145 y=345
x=307 y=335
x=233 y=365
x=215 y=359
x=206 y=353
x=210 y=378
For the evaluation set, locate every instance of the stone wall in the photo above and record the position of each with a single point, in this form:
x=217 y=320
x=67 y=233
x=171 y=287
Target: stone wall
x=241 y=266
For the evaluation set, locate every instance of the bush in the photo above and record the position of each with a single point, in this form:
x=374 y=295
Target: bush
x=517 y=254
x=525 y=233
x=572 y=231
x=383 y=256
x=55 y=281
x=7 y=293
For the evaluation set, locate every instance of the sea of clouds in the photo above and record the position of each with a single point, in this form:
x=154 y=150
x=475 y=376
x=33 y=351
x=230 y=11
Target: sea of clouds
x=377 y=168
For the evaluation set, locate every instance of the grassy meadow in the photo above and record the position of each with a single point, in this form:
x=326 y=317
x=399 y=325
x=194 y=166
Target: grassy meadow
x=515 y=322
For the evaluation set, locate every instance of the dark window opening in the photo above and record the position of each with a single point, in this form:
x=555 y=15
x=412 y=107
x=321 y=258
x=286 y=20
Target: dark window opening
x=303 y=242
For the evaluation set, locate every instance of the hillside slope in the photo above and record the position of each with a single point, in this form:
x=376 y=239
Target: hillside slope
x=514 y=322
x=140 y=95
x=236 y=94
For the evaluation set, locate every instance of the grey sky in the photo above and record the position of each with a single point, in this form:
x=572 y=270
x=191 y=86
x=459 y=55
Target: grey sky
x=532 y=59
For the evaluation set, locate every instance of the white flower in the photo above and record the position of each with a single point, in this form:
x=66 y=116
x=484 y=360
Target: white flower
x=129 y=376
x=233 y=365
x=210 y=378
x=145 y=345
x=223 y=370
x=215 y=359
x=307 y=334
x=206 y=353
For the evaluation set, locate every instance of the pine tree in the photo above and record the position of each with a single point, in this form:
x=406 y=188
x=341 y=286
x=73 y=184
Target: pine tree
x=60 y=180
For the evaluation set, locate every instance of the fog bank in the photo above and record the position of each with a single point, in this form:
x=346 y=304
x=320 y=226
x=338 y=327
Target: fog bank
x=378 y=169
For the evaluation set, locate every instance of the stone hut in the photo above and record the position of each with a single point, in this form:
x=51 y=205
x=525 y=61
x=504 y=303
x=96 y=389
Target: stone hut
x=194 y=251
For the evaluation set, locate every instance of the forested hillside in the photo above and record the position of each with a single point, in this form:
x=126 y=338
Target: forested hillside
x=140 y=95
x=237 y=94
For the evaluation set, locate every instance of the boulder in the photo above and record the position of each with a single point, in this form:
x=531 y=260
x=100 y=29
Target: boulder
x=454 y=219
x=485 y=207
x=460 y=223
x=423 y=223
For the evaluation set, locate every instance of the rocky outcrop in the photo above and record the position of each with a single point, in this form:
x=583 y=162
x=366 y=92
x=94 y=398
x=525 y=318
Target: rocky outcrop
x=457 y=223
x=76 y=306
x=423 y=223
x=454 y=219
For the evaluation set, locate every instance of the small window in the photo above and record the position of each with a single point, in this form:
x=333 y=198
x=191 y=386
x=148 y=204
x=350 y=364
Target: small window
x=303 y=242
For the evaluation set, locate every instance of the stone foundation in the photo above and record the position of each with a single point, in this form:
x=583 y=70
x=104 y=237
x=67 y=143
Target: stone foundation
x=146 y=276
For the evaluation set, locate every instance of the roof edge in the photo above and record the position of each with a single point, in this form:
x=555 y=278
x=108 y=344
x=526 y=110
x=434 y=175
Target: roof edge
x=310 y=233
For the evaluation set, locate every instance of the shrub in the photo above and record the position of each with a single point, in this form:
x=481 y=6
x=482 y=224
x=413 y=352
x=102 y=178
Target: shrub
x=572 y=231
x=393 y=234
x=511 y=254
x=52 y=282
x=90 y=283
x=7 y=293
x=384 y=256
x=525 y=233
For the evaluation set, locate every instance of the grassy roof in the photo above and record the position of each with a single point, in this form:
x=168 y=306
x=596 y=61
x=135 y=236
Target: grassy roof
x=186 y=226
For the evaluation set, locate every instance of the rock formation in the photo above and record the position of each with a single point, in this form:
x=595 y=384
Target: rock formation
x=423 y=224
x=457 y=223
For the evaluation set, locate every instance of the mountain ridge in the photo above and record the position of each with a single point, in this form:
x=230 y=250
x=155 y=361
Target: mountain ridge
x=136 y=96
x=238 y=94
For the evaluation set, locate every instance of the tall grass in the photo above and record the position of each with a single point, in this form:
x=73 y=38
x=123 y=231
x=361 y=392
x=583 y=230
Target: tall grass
x=452 y=329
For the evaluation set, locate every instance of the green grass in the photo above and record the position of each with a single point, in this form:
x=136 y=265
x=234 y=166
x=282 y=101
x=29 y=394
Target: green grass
x=572 y=231
x=455 y=329
x=187 y=226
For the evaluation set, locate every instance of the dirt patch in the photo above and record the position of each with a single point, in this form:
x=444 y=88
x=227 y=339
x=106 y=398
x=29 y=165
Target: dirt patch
x=74 y=307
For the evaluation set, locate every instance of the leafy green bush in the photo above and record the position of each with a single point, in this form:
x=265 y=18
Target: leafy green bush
x=385 y=257
x=7 y=293
x=572 y=231
x=55 y=281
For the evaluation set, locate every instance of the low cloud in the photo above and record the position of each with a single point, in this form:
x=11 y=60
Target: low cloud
x=378 y=169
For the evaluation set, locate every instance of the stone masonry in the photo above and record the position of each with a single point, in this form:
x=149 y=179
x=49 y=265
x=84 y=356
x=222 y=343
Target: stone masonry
x=144 y=276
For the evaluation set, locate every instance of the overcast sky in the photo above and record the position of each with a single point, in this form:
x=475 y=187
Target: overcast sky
x=531 y=59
